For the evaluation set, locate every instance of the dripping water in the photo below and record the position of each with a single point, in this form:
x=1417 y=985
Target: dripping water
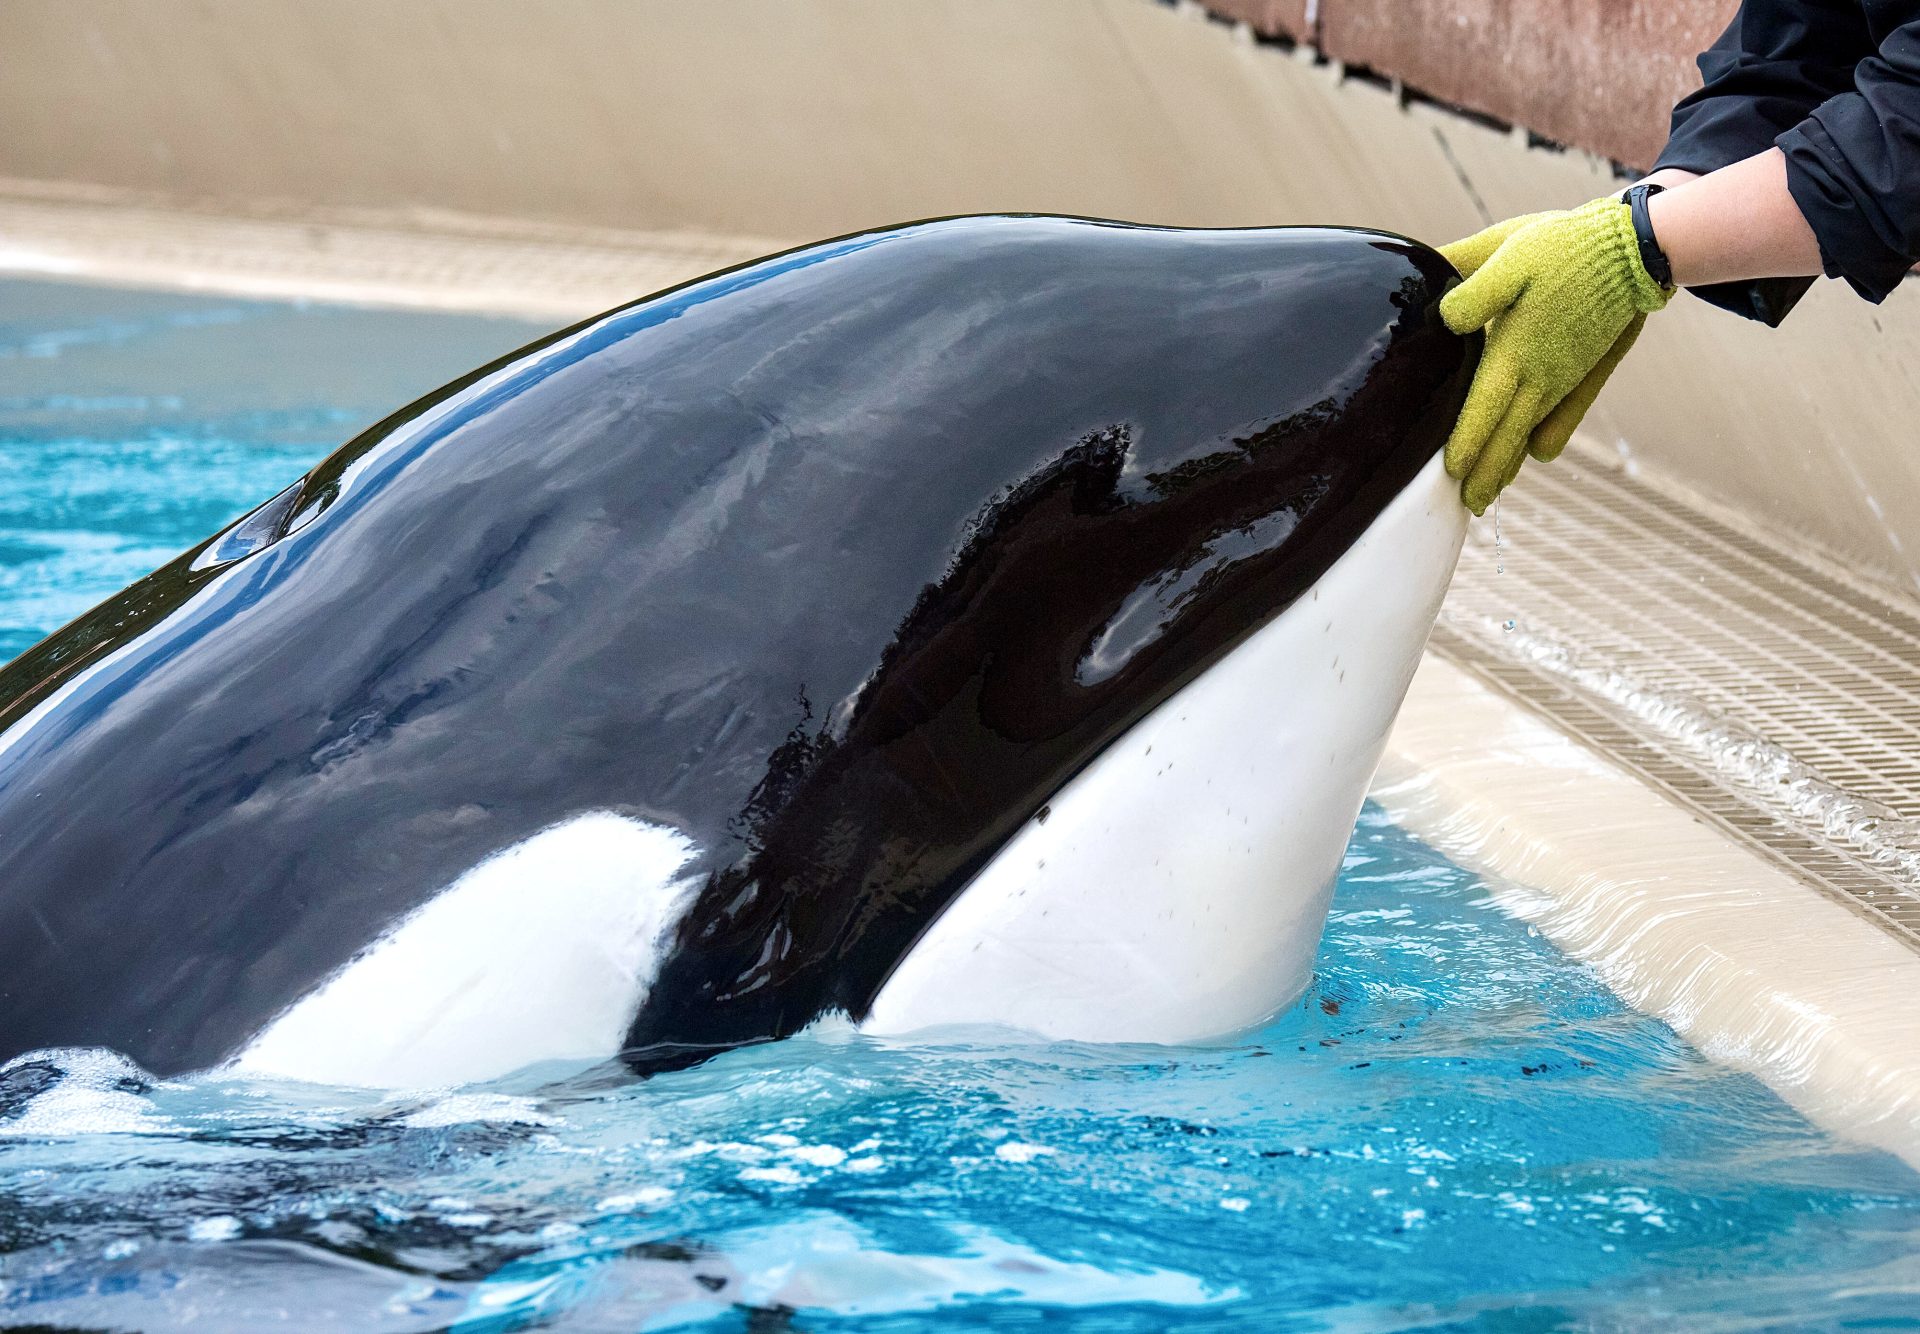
x=1499 y=556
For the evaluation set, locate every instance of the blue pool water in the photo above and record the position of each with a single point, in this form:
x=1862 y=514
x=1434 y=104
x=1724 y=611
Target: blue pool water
x=1456 y=1128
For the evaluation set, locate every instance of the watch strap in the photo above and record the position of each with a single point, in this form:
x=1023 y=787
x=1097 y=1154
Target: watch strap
x=1652 y=258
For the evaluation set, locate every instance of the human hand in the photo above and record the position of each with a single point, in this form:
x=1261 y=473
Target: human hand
x=1469 y=253
x=1562 y=296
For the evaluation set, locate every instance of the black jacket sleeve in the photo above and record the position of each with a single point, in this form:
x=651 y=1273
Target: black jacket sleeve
x=1776 y=62
x=1854 y=169
x=1808 y=76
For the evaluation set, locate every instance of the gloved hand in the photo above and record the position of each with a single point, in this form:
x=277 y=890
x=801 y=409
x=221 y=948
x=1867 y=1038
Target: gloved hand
x=1562 y=296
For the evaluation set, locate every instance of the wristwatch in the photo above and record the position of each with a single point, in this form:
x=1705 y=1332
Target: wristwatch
x=1652 y=258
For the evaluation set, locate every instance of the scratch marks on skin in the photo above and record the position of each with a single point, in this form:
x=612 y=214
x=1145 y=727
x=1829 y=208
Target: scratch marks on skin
x=46 y=929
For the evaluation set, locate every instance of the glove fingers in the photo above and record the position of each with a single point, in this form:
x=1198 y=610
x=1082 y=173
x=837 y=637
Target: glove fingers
x=1500 y=461
x=1468 y=254
x=1488 y=402
x=1553 y=433
x=1494 y=287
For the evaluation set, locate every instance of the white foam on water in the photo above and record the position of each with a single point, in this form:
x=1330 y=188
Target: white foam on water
x=843 y=1273
x=1017 y=1152
x=95 y=1092
x=223 y=1228
x=459 y=1109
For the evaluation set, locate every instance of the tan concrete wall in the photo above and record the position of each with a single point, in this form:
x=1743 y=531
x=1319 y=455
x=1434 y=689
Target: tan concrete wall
x=810 y=117
x=798 y=118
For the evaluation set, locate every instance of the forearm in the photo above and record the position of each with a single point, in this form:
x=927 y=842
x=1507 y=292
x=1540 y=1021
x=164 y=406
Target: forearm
x=1734 y=224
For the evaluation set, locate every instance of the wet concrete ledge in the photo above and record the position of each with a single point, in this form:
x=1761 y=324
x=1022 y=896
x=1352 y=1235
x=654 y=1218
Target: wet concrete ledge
x=1733 y=952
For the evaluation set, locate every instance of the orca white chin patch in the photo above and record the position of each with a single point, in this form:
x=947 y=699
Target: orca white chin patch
x=542 y=952
x=1175 y=889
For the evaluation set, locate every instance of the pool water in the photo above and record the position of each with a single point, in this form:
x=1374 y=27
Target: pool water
x=1456 y=1128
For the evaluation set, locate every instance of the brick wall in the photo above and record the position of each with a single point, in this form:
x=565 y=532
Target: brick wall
x=1594 y=74
x=1270 y=18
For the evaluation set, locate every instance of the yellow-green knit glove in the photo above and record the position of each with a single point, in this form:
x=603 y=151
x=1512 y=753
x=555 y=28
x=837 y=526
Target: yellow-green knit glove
x=1562 y=296
x=1469 y=254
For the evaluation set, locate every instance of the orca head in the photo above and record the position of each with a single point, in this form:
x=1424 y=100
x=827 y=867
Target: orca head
x=1099 y=782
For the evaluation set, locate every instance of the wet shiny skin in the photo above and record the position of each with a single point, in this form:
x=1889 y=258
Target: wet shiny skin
x=1457 y=1128
x=836 y=563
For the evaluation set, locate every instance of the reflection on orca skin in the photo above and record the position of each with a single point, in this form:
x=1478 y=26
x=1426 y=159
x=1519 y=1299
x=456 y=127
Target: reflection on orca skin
x=834 y=567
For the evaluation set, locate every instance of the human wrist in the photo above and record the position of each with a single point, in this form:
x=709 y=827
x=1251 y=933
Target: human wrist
x=1734 y=225
x=1615 y=252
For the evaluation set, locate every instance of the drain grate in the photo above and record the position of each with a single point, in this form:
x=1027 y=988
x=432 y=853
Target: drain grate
x=1772 y=695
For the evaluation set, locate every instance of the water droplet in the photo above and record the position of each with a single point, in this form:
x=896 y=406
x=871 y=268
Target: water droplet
x=1507 y=626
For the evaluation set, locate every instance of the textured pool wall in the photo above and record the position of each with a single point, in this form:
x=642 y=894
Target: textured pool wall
x=814 y=117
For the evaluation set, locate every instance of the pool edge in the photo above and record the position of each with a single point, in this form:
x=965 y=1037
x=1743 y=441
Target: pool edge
x=1753 y=967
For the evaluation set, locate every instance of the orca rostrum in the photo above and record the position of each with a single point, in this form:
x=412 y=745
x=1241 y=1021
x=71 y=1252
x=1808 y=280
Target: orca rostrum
x=990 y=621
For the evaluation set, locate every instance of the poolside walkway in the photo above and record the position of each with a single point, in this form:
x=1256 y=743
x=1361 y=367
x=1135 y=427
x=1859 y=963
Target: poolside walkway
x=424 y=259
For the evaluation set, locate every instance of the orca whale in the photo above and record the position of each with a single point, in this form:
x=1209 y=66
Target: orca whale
x=994 y=620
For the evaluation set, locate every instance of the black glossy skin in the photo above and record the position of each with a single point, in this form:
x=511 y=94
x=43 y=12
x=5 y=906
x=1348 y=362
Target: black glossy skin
x=841 y=563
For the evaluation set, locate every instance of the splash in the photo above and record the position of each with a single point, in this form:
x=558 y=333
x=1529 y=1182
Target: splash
x=1744 y=760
